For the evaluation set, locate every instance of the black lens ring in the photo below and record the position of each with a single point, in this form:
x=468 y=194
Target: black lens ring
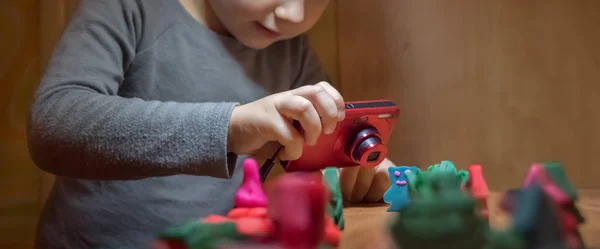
x=363 y=146
x=354 y=142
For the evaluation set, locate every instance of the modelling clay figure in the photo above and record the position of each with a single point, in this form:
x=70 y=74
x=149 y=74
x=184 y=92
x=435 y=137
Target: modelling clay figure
x=443 y=166
x=543 y=211
x=295 y=218
x=504 y=240
x=200 y=235
x=250 y=193
x=477 y=187
x=448 y=166
x=335 y=209
x=439 y=215
x=397 y=195
x=298 y=208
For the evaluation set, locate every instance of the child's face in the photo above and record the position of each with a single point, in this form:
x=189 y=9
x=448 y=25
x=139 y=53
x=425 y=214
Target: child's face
x=259 y=23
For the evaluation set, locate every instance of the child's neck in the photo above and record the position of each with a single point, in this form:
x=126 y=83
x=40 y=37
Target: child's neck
x=202 y=11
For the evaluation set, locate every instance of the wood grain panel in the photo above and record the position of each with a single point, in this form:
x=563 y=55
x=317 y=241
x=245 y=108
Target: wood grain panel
x=19 y=73
x=501 y=83
x=323 y=37
x=30 y=29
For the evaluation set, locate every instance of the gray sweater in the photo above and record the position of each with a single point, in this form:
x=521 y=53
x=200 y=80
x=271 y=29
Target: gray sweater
x=132 y=116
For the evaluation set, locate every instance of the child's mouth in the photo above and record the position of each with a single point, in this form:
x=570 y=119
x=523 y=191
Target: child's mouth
x=266 y=31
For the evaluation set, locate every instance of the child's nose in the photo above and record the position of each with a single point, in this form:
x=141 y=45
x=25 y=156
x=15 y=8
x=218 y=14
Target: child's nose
x=291 y=11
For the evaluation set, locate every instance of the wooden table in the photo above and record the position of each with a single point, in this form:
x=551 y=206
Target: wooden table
x=366 y=225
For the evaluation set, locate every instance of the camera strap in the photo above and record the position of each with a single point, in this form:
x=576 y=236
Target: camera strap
x=268 y=165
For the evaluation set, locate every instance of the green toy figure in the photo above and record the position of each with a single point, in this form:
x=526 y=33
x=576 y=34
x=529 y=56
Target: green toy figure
x=448 y=166
x=440 y=214
x=335 y=209
x=199 y=235
x=507 y=239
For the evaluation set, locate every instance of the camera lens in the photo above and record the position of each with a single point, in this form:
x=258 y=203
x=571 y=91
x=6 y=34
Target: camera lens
x=363 y=147
x=366 y=148
x=373 y=156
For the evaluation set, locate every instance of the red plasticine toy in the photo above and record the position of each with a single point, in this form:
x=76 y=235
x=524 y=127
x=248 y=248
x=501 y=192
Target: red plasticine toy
x=294 y=218
x=297 y=205
x=477 y=188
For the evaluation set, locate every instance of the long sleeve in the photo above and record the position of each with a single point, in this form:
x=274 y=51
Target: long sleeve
x=79 y=127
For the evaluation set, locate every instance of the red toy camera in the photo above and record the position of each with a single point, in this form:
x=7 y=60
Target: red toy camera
x=359 y=139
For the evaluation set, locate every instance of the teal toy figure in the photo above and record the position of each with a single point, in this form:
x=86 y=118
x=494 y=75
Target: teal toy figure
x=335 y=209
x=398 y=195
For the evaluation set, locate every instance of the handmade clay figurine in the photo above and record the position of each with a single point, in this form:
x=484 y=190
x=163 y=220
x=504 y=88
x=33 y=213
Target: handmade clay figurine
x=448 y=166
x=397 y=195
x=294 y=218
x=439 y=215
x=477 y=188
x=543 y=211
x=250 y=193
x=335 y=209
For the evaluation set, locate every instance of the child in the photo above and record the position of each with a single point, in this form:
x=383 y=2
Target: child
x=146 y=104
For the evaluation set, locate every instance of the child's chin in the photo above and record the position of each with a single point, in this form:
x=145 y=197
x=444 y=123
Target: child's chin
x=257 y=43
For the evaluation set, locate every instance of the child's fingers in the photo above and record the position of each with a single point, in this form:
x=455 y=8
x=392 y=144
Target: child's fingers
x=337 y=99
x=288 y=137
x=301 y=109
x=363 y=183
x=347 y=179
x=324 y=104
x=381 y=183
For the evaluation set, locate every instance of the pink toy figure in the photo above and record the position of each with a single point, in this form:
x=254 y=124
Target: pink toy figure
x=250 y=194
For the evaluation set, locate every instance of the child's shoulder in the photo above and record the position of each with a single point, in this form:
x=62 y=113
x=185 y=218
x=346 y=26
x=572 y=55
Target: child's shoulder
x=132 y=5
x=139 y=21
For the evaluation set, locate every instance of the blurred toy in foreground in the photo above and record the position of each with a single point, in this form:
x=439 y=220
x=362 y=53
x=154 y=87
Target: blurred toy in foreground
x=405 y=180
x=446 y=208
x=441 y=213
x=543 y=211
x=293 y=217
x=335 y=209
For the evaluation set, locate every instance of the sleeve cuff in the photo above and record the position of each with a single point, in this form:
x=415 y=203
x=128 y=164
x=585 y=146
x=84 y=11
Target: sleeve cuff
x=211 y=132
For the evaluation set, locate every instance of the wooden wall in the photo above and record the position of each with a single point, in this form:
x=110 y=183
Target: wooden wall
x=19 y=72
x=501 y=83
x=324 y=41
x=29 y=30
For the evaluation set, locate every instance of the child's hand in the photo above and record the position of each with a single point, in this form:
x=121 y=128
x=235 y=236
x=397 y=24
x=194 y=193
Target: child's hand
x=318 y=108
x=361 y=185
